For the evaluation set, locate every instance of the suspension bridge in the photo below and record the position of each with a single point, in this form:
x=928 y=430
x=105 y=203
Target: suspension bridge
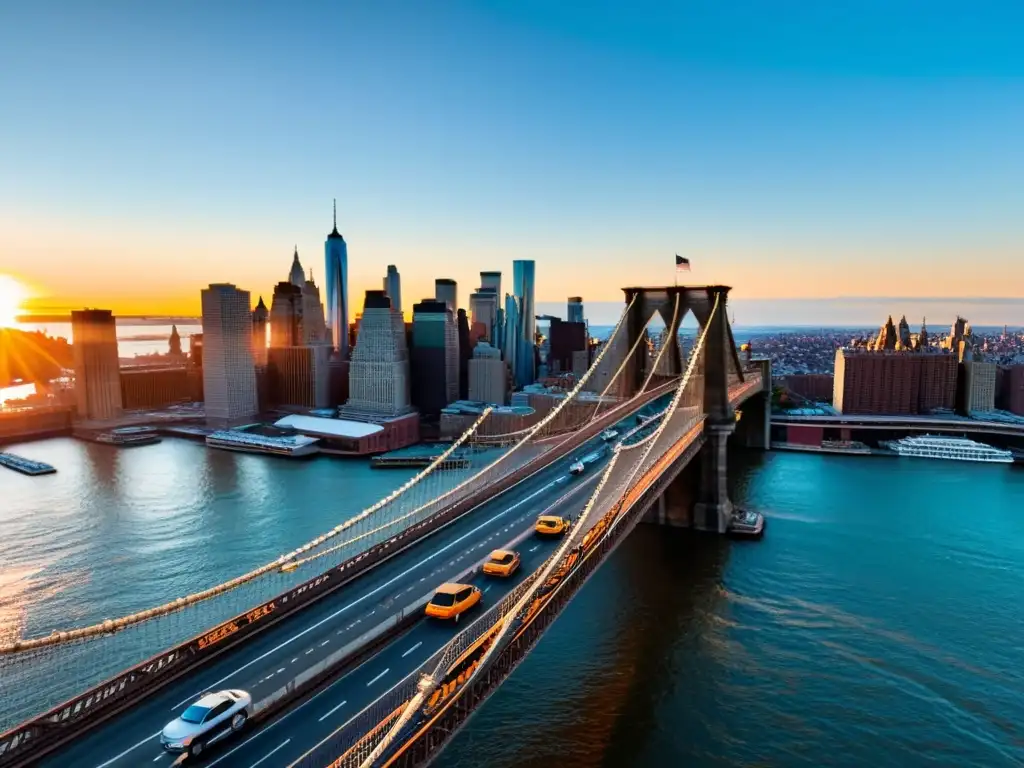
x=337 y=608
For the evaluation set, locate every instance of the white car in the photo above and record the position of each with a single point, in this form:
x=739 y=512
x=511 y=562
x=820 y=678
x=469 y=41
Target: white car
x=214 y=717
x=609 y=434
x=576 y=468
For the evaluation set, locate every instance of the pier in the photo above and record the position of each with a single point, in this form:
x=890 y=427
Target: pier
x=417 y=456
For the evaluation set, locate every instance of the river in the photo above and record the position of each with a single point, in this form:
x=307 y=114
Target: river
x=878 y=622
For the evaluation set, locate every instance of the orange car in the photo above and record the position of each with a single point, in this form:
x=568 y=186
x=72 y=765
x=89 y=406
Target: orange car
x=550 y=525
x=452 y=600
x=503 y=562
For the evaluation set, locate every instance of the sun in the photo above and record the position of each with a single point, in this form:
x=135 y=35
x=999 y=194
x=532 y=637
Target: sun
x=11 y=295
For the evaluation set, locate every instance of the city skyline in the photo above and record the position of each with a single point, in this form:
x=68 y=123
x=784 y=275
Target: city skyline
x=780 y=152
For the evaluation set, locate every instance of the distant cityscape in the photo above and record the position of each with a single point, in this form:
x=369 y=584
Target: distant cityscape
x=367 y=382
x=355 y=382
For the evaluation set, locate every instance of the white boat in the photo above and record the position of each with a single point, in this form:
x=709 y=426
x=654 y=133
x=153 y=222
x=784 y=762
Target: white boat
x=245 y=442
x=952 y=448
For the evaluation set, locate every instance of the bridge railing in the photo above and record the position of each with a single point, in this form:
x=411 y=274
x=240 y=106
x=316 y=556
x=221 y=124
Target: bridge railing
x=381 y=710
x=554 y=573
x=433 y=734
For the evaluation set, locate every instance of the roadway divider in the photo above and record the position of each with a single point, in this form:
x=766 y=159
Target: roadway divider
x=314 y=677
x=27 y=743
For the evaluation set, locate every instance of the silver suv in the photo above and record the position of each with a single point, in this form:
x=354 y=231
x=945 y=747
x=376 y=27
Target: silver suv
x=214 y=717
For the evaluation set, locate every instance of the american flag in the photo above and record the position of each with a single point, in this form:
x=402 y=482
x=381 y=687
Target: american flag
x=682 y=265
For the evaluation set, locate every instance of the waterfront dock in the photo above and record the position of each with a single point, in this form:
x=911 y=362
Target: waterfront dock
x=834 y=449
x=26 y=466
x=418 y=456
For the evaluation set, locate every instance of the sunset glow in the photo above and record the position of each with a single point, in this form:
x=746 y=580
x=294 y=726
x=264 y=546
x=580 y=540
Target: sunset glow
x=12 y=294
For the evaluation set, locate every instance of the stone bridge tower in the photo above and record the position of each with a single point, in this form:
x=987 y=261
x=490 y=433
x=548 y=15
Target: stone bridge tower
x=720 y=364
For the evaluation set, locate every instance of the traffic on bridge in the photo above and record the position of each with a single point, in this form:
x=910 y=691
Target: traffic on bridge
x=337 y=666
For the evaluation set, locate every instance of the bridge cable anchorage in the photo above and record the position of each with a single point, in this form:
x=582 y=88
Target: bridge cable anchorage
x=430 y=683
x=100 y=651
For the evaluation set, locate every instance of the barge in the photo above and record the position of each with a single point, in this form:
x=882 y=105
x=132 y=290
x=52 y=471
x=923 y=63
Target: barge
x=26 y=466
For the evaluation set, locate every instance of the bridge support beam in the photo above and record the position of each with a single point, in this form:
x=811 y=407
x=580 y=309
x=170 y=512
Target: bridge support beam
x=714 y=508
x=754 y=419
x=649 y=301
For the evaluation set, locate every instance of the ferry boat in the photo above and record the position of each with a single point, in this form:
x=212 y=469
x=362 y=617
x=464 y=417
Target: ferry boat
x=746 y=524
x=952 y=448
x=285 y=445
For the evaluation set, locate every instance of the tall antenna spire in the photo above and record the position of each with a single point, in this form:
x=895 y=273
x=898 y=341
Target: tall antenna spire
x=335 y=213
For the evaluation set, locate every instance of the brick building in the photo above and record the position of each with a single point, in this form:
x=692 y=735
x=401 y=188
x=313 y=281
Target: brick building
x=890 y=382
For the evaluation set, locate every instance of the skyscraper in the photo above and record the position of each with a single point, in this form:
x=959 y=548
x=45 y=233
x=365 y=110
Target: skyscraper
x=434 y=358
x=446 y=290
x=229 y=372
x=523 y=285
x=491 y=281
x=510 y=335
x=296 y=314
x=575 y=313
x=286 y=315
x=379 y=372
x=336 y=257
x=97 y=368
x=393 y=288
x=487 y=375
x=260 y=317
x=297 y=275
x=462 y=322
x=483 y=306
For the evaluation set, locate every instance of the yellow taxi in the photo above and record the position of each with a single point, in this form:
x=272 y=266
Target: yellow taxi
x=551 y=525
x=452 y=600
x=503 y=562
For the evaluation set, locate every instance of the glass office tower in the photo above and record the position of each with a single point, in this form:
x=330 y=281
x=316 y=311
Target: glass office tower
x=523 y=285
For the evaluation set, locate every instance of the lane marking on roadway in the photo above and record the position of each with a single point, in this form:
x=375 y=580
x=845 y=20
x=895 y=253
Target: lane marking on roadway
x=331 y=711
x=360 y=712
x=282 y=745
x=378 y=677
x=309 y=651
x=488 y=589
x=158 y=757
x=295 y=659
x=325 y=642
x=130 y=749
x=280 y=670
x=412 y=649
x=284 y=717
x=361 y=599
x=534 y=549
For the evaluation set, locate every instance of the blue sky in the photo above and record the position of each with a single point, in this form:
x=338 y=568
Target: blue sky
x=791 y=149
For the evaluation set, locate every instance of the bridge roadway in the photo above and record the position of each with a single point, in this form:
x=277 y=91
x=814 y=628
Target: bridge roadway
x=264 y=663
